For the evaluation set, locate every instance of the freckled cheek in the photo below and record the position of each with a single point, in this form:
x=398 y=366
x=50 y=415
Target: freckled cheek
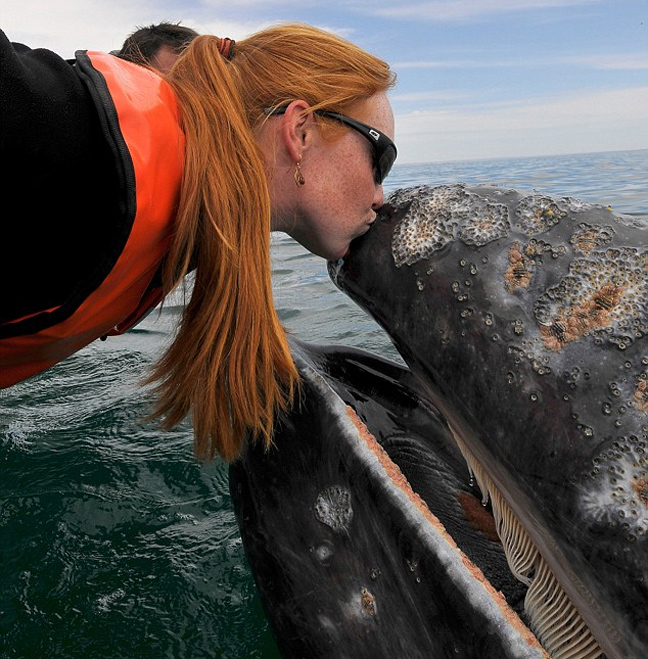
x=350 y=193
x=356 y=165
x=359 y=183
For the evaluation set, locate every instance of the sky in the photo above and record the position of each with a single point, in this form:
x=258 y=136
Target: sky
x=475 y=78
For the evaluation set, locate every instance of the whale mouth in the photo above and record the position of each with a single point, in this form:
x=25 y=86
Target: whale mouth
x=552 y=616
x=546 y=609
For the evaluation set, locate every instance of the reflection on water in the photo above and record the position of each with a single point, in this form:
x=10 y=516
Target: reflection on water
x=114 y=541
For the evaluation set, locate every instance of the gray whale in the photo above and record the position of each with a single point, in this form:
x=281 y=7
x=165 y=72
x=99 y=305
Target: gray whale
x=524 y=317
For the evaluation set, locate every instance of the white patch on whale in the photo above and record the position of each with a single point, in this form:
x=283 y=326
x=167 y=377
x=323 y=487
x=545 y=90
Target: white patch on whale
x=616 y=490
x=440 y=215
x=333 y=507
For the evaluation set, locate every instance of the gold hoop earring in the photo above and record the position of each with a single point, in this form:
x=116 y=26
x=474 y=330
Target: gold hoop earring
x=299 y=177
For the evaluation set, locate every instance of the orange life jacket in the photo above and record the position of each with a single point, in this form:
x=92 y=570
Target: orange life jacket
x=140 y=115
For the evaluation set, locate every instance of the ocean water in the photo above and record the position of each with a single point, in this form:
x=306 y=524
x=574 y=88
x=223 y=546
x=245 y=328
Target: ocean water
x=114 y=541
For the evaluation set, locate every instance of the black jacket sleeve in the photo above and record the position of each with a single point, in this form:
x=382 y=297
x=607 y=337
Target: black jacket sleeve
x=59 y=184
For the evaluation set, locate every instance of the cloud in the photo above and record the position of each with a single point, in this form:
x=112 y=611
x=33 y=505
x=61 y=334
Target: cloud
x=448 y=64
x=623 y=62
x=68 y=25
x=601 y=61
x=427 y=97
x=32 y=21
x=465 y=10
x=583 y=122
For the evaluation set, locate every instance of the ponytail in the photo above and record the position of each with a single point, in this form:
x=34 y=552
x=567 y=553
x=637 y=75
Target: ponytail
x=230 y=364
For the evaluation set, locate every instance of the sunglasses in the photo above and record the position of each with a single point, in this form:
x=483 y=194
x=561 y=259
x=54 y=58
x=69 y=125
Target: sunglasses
x=384 y=149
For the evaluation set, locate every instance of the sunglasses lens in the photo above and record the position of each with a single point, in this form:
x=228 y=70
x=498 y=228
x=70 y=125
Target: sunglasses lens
x=385 y=150
x=385 y=163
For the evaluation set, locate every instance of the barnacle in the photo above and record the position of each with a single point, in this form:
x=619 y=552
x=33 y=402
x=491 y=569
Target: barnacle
x=438 y=216
x=604 y=295
x=536 y=214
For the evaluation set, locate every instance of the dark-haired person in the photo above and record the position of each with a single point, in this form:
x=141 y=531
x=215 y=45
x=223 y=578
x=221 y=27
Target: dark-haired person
x=289 y=129
x=157 y=45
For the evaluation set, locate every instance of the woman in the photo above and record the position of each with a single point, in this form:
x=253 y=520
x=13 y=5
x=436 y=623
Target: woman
x=122 y=182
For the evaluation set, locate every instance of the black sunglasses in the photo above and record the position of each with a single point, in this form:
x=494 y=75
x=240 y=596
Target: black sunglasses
x=384 y=149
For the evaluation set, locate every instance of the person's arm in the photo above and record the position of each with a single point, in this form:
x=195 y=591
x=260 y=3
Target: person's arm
x=59 y=186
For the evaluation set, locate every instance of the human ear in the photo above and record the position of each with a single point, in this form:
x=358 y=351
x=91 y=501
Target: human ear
x=298 y=121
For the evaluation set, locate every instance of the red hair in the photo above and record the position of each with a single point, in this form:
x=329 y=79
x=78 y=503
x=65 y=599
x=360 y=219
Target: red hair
x=230 y=364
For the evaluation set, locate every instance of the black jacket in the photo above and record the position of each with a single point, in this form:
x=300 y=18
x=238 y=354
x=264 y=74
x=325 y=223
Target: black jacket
x=60 y=188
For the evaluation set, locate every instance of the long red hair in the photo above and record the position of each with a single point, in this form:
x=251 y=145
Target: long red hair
x=229 y=364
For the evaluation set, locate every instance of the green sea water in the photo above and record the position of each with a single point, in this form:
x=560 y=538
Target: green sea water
x=114 y=541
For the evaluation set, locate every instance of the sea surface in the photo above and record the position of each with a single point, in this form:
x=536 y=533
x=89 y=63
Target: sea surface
x=114 y=541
